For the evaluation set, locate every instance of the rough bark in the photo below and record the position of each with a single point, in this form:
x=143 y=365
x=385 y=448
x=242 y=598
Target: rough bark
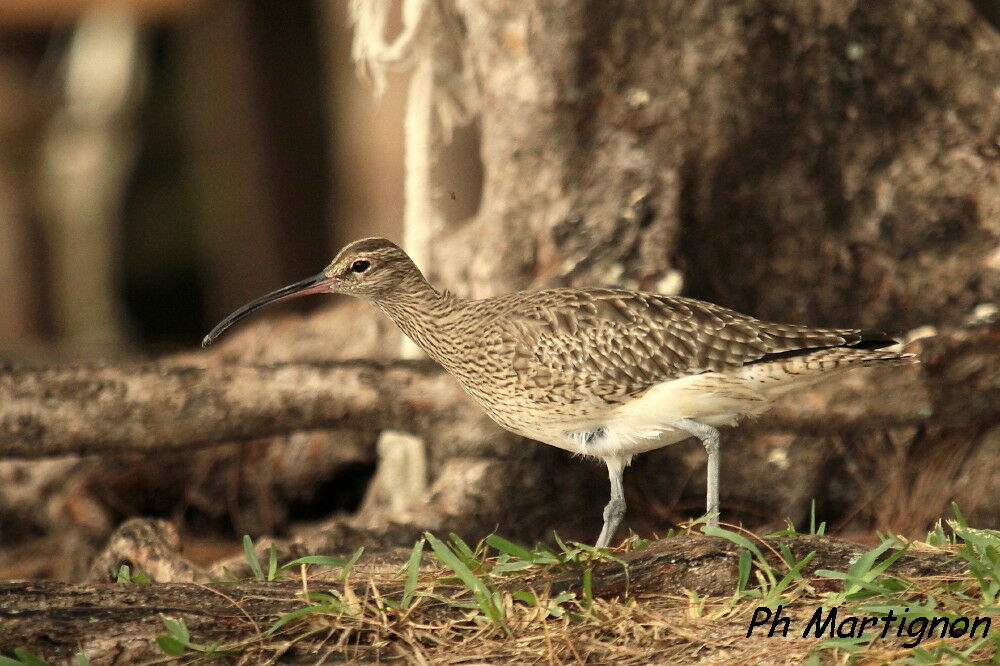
x=118 y=623
x=153 y=548
x=825 y=161
x=255 y=487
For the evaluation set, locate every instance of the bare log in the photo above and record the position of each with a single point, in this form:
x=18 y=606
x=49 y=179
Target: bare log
x=154 y=407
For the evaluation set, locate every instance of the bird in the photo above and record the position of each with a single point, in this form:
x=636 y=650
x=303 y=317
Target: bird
x=602 y=372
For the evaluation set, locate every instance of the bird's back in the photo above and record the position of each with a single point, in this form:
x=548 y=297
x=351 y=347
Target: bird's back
x=551 y=360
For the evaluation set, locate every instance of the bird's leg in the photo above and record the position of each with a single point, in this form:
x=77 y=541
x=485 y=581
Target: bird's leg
x=709 y=436
x=615 y=509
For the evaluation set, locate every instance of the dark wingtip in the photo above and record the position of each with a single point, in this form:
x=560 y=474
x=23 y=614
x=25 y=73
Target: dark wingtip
x=877 y=339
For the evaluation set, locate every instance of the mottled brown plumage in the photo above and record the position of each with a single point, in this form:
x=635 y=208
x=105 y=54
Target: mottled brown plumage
x=602 y=372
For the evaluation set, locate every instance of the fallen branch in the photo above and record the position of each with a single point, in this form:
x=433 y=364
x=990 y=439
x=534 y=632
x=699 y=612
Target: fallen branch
x=86 y=410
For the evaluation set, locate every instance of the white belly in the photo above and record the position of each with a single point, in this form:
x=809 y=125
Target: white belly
x=647 y=422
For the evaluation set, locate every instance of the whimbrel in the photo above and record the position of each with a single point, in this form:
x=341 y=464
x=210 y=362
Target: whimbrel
x=606 y=373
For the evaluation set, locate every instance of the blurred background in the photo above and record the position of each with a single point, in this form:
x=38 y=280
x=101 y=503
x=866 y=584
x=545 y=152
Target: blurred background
x=162 y=161
x=825 y=162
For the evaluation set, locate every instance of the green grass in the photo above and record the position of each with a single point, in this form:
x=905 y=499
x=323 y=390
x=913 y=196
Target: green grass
x=23 y=657
x=177 y=642
x=275 y=572
x=124 y=575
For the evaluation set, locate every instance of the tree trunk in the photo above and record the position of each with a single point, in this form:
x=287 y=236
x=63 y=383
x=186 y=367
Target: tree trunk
x=824 y=162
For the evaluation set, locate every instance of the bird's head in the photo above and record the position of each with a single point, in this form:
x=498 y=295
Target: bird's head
x=371 y=268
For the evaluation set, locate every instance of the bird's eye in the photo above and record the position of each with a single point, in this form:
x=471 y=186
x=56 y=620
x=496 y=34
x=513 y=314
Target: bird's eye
x=360 y=266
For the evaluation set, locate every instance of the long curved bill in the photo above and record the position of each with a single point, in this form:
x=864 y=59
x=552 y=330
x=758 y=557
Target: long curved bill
x=312 y=285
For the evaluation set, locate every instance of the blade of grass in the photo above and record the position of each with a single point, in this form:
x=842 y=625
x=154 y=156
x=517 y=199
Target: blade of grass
x=272 y=562
x=740 y=540
x=349 y=565
x=294 y=615
x=412 y=570
x=503 y=546
x=322 y=560
x=251 y=558
x=484 y=596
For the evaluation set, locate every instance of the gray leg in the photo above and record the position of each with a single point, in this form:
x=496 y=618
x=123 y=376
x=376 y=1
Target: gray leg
x=709 y=436
x=615 y=509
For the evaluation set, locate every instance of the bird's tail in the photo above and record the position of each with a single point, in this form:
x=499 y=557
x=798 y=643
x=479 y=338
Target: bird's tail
x=776 y=377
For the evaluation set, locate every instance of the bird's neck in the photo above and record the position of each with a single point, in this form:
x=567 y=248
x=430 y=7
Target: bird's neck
x=422 y=313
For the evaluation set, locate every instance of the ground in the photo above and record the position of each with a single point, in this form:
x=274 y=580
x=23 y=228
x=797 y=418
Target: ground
x=686 y=598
